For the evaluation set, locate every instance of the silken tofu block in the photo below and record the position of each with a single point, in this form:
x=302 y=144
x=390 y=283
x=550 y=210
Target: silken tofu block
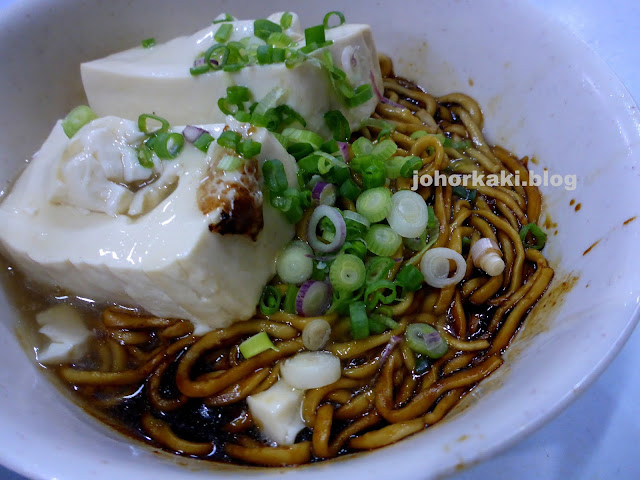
x=158 y=80
x=78 y=219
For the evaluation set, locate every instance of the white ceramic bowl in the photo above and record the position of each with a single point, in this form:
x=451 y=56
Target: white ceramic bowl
x=543 y=93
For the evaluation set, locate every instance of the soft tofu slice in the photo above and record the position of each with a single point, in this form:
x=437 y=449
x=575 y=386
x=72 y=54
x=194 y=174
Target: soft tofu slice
x=165 y=260
x=276 y=412
x=157 y=79
x=66 y=331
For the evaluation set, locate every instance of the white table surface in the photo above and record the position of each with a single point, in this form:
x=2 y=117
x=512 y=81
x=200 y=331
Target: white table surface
x=598 y=436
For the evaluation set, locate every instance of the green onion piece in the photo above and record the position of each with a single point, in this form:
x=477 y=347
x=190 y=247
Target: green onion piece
x=347 y=272
x=237 y=95
x=465 y=193
x=380 y=323
x=362 y=146
x=227 y=108
x=466 y=242
x=168 y=145
x=297 y=135
x=143 y=124
x=375 y=175
x=242 y=116
x=338 y=124
x=374 y=293
x=145 y=156
x=412 y=164
x=255 y=345
x=279 y=40
x=409 y=278
x=338 y=174
x=382 y=240
x=300 y=151
x=384 y=150
x=288 y=115
x=349 y=190
x=290 y=204
x=416 y=244
x=426 y=340
x=422 y=364
x=224 y=33
x=537 y=233
x=269 y=101
x=360 y=95
x=378 y=268
x=385 y=127
x=76 y=119
x=290 y=299
x=327 y=17
x=359 y=320
x=275 y=178
x=203 y=142
x=417 y=134
x=248 y=148
x=262 y=28
x=393 y=166
x=356 y=248
x=314 y=35
x=148 y=42
x=269 y=300
x=461 y=145
x=229 y=139
x=264 y=55
x=223 y=17
x=375 y=204
x=219 y=53
x=199 y=70
x=285 y=20
x=230 y=163
x=330 y=146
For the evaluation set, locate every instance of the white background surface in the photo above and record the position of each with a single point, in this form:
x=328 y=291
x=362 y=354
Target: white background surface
x=598 y=436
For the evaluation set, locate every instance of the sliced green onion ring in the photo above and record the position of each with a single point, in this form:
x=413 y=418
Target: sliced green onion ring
x=145 y=127
x=426 y=340
x=294 y=264
x=382 y=240
x=378 y=268
x=409 y=214
x=255 y=345
x=374 y=204
x=168 y=145
x=270 y=300
x=347 y=273
x=333 y=214
x=76 y=119
x=538 y=234
x=327 y=18
x=359 y=321
x=435 y=267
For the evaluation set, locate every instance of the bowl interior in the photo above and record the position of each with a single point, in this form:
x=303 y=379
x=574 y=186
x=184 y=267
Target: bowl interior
x=543 y=93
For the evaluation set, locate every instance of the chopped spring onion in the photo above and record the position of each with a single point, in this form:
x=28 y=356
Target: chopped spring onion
x=422 y=364
x=393 y=166
x=338 y=124
x=270 y=300
x=349 y=190
x=148 y=42
x=314 y=35
x=315 y=334
x=417 y=243
x=384 y=150
x=362 y=146
x=145 y=156
x=435 y=267
x=411 y=165
x=374 y=204
x=203 y=142
x=409 y=214
x=146 y=121
x=426 y=340
x=168 y=145
x=248 y=148
x=229 y=139
x=223 y=17
x=464 y=193
x=375 y=293
x=285 y=20
x=356 y=217
x=375 y=175
x=255 y=345
x=296 y=135
x=380 y=323
x=324 y=193
x=327 y=18
x=382 y=240
x=76 y=119
x=291 y=203
x=230 y=163
x=237 y=94
x=333 y=214
x=347 y=273
x=262 y=28
x=409 y=278
x=289 y=305
x=223 y=33
x=294 y=264
x=275 y=178
x=417 y=134
x=378 y=268
x=314 y=298
x=269 y=101
x=359 y=321
x=217 y=56
x=356 y=248
x=537 y=233
x=385 y=127
x=279 y=40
